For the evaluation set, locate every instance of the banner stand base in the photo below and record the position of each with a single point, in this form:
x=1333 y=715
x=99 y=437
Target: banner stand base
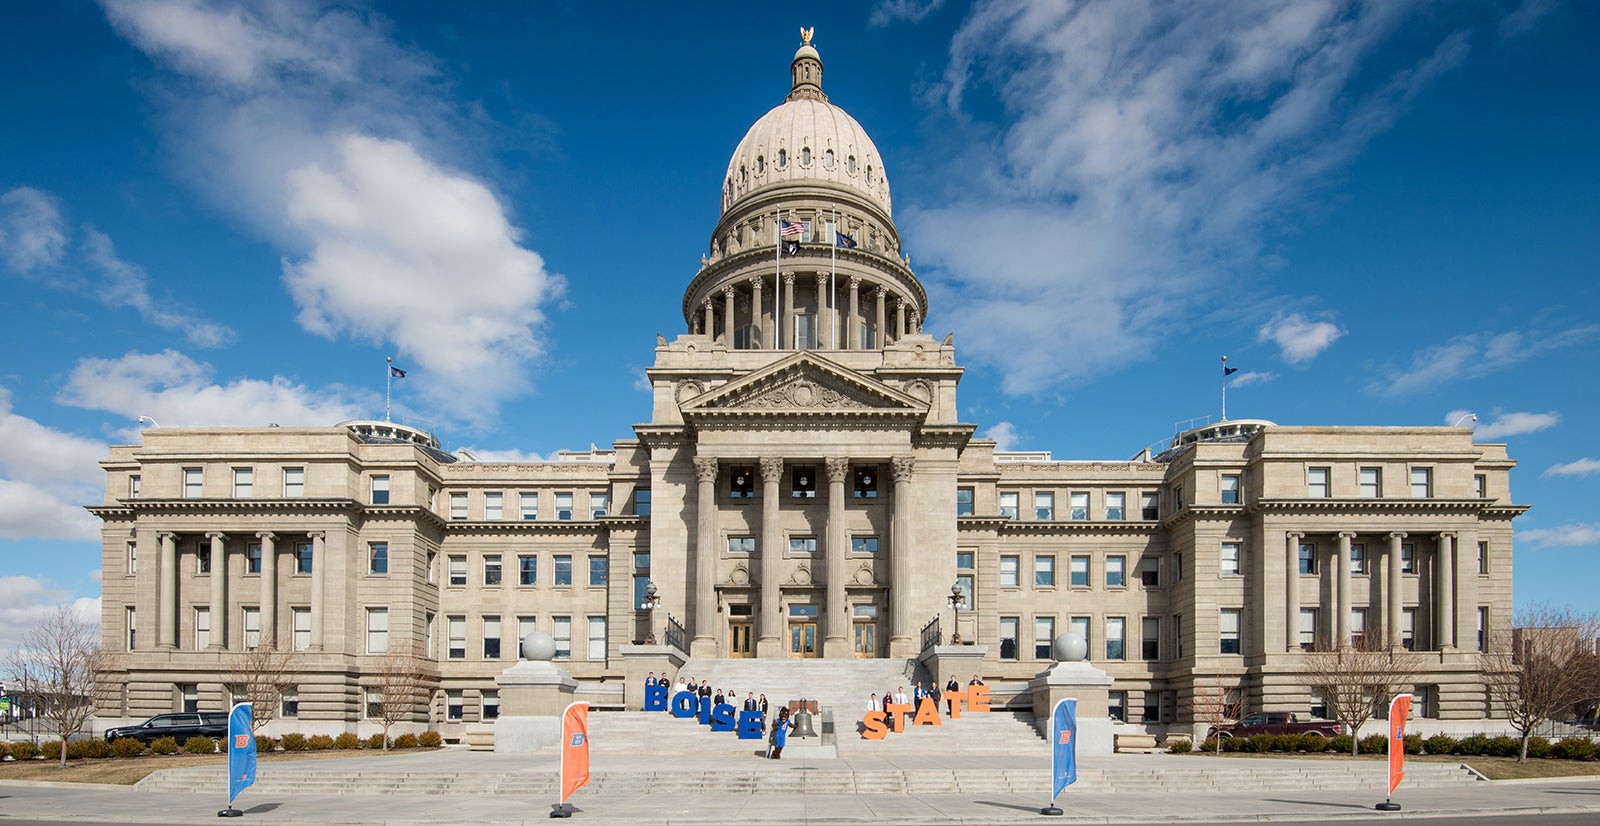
x=561 y=810
x=1387 y=806
x=1053 y=811
x=230 y=812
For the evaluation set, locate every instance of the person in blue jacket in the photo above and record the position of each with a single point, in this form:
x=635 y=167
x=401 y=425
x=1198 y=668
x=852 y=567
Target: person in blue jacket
x=780 y=733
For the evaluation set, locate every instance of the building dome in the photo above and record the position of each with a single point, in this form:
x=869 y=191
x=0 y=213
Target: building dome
x=806 y=139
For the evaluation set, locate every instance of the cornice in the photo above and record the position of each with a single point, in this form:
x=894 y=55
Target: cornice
x=1419 y=506
x=238 y=505
x=592 y=527
x=1010 y=527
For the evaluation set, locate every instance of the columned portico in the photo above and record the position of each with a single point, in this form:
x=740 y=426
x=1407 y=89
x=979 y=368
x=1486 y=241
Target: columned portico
x=1291 y=590
x=1444 y=587
x=1393 y=568
x=269 y=590
x=167 y=617
x=219 y=585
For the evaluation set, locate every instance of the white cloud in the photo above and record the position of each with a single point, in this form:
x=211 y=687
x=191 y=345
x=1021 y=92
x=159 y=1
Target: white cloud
x=32 y=233
x=1562 y=536
x=1004 y=435
x=127 y=286
x=25 y=600
x=1300 y=338
x=1139 y=153
x=176 y=390
x=1473 y=355
x=339 y=144
x=641 y=381
x=1580 y=467
x=911 y=11
x=1254 y=377
x=46 y=477
x=514 y=457
x=1514 y=424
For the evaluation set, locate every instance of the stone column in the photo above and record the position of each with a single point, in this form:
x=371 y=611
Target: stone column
x=769 y=631
x=1444 y=584
x=269 y=589
x=166 y=618
x=1393 y=610
x=836 y=636
x=1342 y=595
x=1291 y=590
x=711 y=321
x=853 y=322
x=880 y=330
x=704 y=643
x=900 y=630
x=916 y=321
x=727 y=316
x=786 y=327
x=899 y=318
x=219 y=593
x=319 y=579
x=827 y=339
x=758 y=318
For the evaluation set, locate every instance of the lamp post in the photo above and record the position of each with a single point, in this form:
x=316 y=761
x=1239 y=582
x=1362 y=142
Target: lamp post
x=956 y=598
x=648 y=606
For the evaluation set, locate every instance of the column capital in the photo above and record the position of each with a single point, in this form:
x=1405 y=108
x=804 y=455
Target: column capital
x=705 y=468
x=316 y=534
x=728 y=290
x=266 y=536
x=1397 y=534
x=771 y=468
x=1452 y=535
x=838 y=468
x=788 y=278
x=215 y=535
x=706 y=304
x=756 y=282
x=166 y=536
x=898 y=302
x=855 y=282
x=1347 y=535
x=1294 y=536
x=902 y=468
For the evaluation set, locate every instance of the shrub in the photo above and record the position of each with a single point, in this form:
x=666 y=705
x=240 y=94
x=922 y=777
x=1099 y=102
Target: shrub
x=429 y=740
x=1440 y=744
x=24 y=750
x=319 y=742
x=1538 y=747
x=1339 y=744
x=1573 y=748
x=293 y=742
x=346 y=741
x=5 y=749
x=1375 y=744
x=1259 y=743
x=1472 y=744
x=127 y=747
x=1503 y=746
x=409 y=741
x=265 y=744
x=1176 y=745
x=164 y=745
x=1209 y=745
x=94 y=749
x=199 y=745
x=51 y=750
x=375 y=741
x=1413 y=744
x=1290 y=743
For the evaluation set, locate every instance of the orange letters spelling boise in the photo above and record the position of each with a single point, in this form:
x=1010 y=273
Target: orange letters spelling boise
x=875 y=725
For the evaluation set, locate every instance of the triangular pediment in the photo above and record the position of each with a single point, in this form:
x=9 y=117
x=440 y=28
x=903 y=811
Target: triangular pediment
x=804 y=383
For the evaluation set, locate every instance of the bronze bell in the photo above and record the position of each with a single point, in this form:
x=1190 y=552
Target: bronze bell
x=802 y=724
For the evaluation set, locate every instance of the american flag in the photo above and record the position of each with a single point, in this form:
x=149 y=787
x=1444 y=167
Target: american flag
x=791 y=229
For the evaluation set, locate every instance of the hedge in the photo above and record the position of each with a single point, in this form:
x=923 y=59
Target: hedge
x=164 y=745
x=127 y=747
x=346 y=741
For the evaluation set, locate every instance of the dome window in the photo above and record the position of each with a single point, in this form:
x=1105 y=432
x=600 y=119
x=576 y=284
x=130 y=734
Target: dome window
x=783 y=158
x=742 y=175
x=869 y=173
x=850 y=164
x=827 y=159
x=805 y=156
x=761 y=164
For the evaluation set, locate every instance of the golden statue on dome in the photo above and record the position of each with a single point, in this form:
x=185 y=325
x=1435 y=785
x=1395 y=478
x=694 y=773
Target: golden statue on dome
x=805 y=35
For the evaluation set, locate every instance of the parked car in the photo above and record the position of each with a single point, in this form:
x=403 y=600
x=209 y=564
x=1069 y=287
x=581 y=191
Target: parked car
x=1277 y=722
x=179 y=727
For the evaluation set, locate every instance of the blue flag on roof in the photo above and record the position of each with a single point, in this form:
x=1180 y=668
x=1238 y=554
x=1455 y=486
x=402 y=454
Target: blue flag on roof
x=842 y=240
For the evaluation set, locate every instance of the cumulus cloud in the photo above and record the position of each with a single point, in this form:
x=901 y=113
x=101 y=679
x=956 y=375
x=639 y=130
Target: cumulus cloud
x=46 y=477
x=340 y=145
x=514 y=457
x=125 y=285
x=1127 y=157
x=176 y=390
x=911 y=11
x=1578 y=468
x=1299 y=338
x=32 y=233
x=24 y=600
x=1577 y=534
x=1510 y=424
x=1004 y=435
x=1472 y=355
x=1254 y=377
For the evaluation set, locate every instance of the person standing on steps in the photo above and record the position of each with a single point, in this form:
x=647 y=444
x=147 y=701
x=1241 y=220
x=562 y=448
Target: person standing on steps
x=763 y=708
x=954 y=686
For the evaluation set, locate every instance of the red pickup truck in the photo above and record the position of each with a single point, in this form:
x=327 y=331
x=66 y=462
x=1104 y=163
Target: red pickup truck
x=1277 y=722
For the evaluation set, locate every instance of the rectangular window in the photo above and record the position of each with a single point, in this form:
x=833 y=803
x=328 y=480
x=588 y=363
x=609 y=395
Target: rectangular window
x=454 y=707
x=377 y=630
x=1177 y=567
x=1483 y=627
x=964 y=583
x=491 y=569
x=380 y=493
x=741 y=482
x=1231 y=553
x=291 y=703
x=494 y=506
x=1230 y=489
x=1116 y=631
x=1370 y=480
x=455 y=635
x=964 y=501
x=599 y=503
x=564 y=507
x=1150 y=638
x=374 y=703
x=300 y=627
x=491 y=638
x=803 y=482
x=1308 y=628
x=865 y=481
x=1117 y=705
x=1044 y=633
x=528 y=503
x=294 y=482
x=1116 y=507
x=1408 y=628
x=1358 y=558
x=491 y=704
x=641 y=501
x=805 y=331
x=599 y=570
x=192 y=483
x=1044 y=571
x=1317 y=482
x=244 y=483
x=202 y=627
x=1044 y=506
x=202 y=557
x=1150 y=572
x=1009 y=566
x=526 y=625
x=802 y=544
x=1116 y=571
x=1080 y=626
x=130 y=624
x=1150 y=506
x=1308 y=558
x=1152 y=707
x=1483 y=558
x=189 y=694
x=1008 y=637
x=378 y=558
x=1408 y=558
x=458 y=570
x=1358 y=626
x=1177 y=636
x=428 y=629
x=1480 y=486
x=864 y=544
x=458 y=506
x=133 y=487
x=1421 y=483
x=1080 y=571
x=1008 y=505
x=1080 y=506
x=563 y=570
x=562 y=628
x=527 y=569
x=252 y=557
x=1228 y=629
x=1177 y=497
x=741 y=544
x=130 y=561
x=597 y=639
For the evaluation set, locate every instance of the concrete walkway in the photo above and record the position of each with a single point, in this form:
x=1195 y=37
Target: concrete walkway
x=87 y=803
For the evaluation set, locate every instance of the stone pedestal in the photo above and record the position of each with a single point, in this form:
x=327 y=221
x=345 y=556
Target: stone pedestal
x=639 y=660
x=959 y=661
x=532 y=696
x=1090 y=687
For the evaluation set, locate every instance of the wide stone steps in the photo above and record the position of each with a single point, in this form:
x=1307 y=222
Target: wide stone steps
x=775 y=778
x=641 y=732
x=844 y=685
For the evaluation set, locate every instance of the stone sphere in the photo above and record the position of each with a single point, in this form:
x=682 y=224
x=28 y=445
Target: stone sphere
x=1070 y=647
x=538 y=646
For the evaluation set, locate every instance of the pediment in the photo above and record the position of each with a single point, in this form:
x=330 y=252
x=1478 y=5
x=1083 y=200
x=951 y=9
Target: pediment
x=804 y=383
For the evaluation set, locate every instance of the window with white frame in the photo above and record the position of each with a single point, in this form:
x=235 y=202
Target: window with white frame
x=490 y=700
x=374 y=703
x=133 y=486
x=1009 y=566
x=1150 y=506
x=598 y=503
x=741 y=544
x=1080 y=626
x=304 y=553
x=527 y=569
x=130 y=563
x=1358 y=626
x=1370 y=482
x=1408 y=628
x=1116 y=637
x=1308 y=629
x=1008 y=637
x=1116 y=571
x=250 y=622
x=1150 y=572
x=805 y=545
x=454 y=707
x=244 y=483
x=380 y=490
x=964 y=503
x=641 y=501
x=491 y=637
x=458 y=506
x=493 y=569
x=1408 y=558
x=564 y=506
x=563 y=571
x=1044 y=506
x=1228 y=630
x=1483 y=627
x=494 y=506
x=1079 y=571
x=1044 y=633
x=294 y=482
x=1116 y=507
x=528 y=504
x=291 y=703
x=1150 y=638
x=1008 y=505
x=1317 y=483
x=1483 y=558
x=1231 y=554
x=377 y=557
x=455 y=635
x=1358 y=558
x=1421 y=482
x=129 y=625
x=599 y=570
x=863 y=544
x=188 y=698
x=1044 y=571
x=1308 y=558
x=300 y=628
x=597 y=639
x=1480 y=486
x=202 y=627
x=377 y=630
x=1080 y=506
x=1230 y=489
x=561 y=628
x=193 y=479
x=457 y=566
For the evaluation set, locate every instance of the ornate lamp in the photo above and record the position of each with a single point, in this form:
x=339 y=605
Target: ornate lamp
x=651 y=600
x=956 y=598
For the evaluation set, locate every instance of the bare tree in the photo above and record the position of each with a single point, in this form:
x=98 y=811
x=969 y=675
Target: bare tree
x=260 y=676
x=1543 y=665
x=1356 y=680
x=401 y=682
x=57 y=664
x=1216 y=704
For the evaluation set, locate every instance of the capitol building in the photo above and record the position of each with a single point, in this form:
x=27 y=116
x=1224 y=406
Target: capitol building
x=802 y=487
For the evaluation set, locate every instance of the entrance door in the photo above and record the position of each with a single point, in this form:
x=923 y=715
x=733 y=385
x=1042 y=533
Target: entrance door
x=739 y=634
x=866 y=640
x=802 y=639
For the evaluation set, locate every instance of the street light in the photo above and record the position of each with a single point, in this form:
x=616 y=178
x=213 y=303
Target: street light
x=1464 y=417
x=956 y=598
x=651 y=600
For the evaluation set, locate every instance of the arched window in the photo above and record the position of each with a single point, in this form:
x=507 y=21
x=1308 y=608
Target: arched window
x=742 y=176
x=827 y=159
x=761 y=164
x=805 y=156
x=850 y=164
x=869 y=173
x=783 y=158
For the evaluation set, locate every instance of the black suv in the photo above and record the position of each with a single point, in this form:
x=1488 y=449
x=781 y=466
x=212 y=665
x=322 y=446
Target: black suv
x=179 y=727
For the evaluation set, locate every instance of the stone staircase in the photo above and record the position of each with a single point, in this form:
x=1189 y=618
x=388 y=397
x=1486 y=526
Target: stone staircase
x=843 y=685
x=997 y=732
x=654 y=732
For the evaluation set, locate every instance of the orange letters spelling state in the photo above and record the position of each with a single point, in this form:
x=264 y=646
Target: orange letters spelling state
x=873 y=726
x=897 y=712
x=955 y=698
x=927 y=714
x=977 y=698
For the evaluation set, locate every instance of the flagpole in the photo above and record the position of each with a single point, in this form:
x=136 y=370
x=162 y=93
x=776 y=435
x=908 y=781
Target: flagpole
x=777 y=279
x=833 y=289
x=388 y=384
x=1224 y=388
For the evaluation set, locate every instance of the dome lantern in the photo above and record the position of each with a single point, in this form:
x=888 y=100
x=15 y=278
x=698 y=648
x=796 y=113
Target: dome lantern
x=805 y=71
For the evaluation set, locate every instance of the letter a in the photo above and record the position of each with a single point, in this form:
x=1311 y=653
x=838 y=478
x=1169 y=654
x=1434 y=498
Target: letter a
x=927 y=714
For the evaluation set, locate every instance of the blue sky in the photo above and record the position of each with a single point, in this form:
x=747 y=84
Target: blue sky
x=229 y=214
